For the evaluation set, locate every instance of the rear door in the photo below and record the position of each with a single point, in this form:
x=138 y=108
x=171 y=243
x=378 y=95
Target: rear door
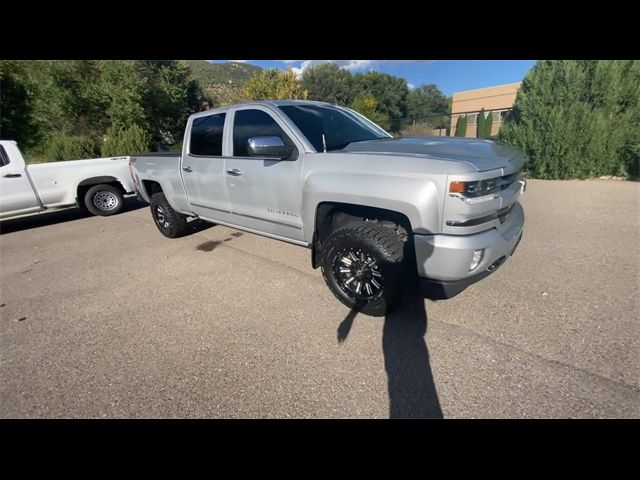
x=264 y=193
x=16 y=193
x=202 y=167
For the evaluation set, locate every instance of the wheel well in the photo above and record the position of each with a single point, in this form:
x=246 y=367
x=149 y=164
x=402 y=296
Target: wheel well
x=331 y=216
x=85 y=185
x=151 y=187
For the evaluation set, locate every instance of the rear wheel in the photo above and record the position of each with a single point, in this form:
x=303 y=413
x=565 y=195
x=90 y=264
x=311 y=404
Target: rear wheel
x=104 y=200
x=170 y=223
x=363 y=265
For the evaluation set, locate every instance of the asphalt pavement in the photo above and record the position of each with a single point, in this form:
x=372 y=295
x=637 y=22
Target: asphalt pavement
x=105 y=317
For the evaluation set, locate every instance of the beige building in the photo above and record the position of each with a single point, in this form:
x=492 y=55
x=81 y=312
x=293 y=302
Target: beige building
x=498 y=100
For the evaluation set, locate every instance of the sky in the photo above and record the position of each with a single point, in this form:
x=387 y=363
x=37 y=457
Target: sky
x=449 y=75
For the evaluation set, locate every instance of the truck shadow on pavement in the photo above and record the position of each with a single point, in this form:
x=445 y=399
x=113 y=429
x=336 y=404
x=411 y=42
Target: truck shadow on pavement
x=59 y=216
x=196 y=226
x=412 y=392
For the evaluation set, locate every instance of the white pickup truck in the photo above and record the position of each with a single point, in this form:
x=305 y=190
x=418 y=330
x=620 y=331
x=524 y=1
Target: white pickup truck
x=97 y=185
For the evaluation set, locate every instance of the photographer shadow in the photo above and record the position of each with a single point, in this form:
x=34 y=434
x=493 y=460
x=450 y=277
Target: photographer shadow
x=412 y=392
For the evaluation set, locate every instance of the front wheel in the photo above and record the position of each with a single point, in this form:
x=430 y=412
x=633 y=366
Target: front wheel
x=363 y=265
x=104 y=200
x=170 y=223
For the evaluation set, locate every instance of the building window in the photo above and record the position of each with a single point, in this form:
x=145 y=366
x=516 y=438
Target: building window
x=472 y=118
x=500 y=115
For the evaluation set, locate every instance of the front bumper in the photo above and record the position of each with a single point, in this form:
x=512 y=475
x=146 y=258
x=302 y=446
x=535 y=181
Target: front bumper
x=443 y=260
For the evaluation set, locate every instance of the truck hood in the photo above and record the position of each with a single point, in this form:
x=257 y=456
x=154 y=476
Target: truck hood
x=480 y=153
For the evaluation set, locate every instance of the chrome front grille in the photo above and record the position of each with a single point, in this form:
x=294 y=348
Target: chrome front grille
x=495 y=210
x=507 y=180
x=503 y=213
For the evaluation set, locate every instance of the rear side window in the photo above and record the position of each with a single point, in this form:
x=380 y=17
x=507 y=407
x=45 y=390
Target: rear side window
x=4 y=158
x=206 y=135
x=254 y=123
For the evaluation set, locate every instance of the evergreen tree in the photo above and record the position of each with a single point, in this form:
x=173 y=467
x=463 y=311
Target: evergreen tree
x=578 y=119
x=487 y=122
x=461 y=126
x=480 y=124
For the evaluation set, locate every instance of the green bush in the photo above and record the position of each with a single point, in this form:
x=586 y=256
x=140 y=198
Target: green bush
x=578 y=119
x=120 y=142
x=461 y=126
x=66 y=146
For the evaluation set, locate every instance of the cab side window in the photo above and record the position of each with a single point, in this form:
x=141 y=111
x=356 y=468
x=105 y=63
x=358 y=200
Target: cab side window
x=4 y=158
x=206 y=135
x=254 y=123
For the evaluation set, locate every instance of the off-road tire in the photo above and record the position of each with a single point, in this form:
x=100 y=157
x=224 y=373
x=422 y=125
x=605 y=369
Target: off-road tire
x=368 y=240
x=170 y=223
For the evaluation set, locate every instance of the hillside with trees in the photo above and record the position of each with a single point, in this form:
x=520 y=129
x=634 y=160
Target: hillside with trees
x=212 y=73
x=222 y=83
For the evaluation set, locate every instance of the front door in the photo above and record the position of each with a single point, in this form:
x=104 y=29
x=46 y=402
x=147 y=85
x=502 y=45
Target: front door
x=16 y=193
x=202 y=167
x=264 y=193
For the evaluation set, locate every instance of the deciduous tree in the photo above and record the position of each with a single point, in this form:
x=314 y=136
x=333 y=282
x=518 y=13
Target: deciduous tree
x=391 y=93
x=366 y=104
x=17 y=92
x=328 y=83
x=274 y=84
x=427 y=103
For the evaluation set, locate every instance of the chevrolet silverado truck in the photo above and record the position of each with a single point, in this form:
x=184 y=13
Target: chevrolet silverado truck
x=375 y=211
x=97 y=185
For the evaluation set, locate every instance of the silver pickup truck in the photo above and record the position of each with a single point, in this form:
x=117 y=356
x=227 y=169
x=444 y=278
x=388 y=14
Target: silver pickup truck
x=375 y=211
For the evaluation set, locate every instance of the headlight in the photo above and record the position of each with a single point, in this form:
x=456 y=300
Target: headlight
x=475 y=189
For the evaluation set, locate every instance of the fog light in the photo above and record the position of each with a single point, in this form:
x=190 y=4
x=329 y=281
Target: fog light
x=477 y=258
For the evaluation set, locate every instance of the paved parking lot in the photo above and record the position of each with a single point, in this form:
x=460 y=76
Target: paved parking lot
x=105 y=317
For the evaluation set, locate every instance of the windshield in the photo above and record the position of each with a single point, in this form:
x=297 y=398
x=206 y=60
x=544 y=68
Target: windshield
x=340 y=126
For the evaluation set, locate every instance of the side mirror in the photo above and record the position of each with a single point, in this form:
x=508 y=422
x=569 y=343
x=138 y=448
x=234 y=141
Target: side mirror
x=268 y=147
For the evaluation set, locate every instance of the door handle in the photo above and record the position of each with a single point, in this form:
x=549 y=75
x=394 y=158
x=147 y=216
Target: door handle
x=12 y=175
x=187 y=168
x=235 y=172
